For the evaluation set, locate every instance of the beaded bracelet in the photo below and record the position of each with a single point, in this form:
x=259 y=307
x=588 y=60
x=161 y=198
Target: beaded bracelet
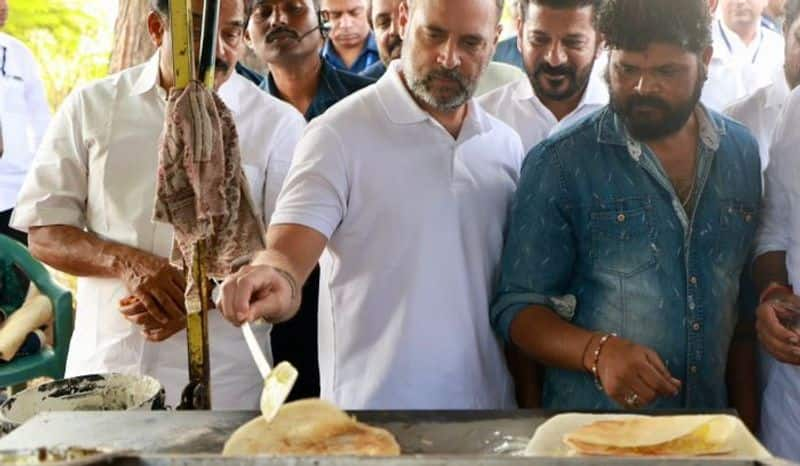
x=597 y=351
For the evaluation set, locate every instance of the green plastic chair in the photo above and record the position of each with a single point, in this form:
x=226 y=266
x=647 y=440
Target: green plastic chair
x=50 y=362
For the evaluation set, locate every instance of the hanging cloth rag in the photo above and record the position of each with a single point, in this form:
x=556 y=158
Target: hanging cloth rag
x=201 y=188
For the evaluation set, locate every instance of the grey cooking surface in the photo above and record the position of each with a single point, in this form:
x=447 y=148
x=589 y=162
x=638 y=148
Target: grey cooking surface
x=154 y=438
x=163 y=432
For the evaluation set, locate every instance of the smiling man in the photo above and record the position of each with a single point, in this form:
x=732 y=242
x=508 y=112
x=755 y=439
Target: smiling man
x=630 y=230
x=559 y=45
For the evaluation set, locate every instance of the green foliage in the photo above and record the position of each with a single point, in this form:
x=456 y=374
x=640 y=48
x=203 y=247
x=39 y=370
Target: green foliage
x=70 y=39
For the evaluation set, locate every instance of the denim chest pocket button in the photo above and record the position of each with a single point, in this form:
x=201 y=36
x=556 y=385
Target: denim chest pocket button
x=622 y=241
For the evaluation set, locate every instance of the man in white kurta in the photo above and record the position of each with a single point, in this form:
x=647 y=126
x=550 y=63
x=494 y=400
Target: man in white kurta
x=741 y=63
x=760 y=111
x=409 y=222
x=564 y=81
x=96 y=171
x=778 y=268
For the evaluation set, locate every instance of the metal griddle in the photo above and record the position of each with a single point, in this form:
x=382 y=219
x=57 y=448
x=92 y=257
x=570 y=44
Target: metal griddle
x=195 y=438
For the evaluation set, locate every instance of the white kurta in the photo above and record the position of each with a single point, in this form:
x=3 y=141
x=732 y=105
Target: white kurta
x=738 y=70
x=24 y=115
x=96 y=170
x=415 y=222
x=780 y=231
x=760 y=112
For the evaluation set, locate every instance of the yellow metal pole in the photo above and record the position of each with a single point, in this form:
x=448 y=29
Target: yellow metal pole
x=197 y=395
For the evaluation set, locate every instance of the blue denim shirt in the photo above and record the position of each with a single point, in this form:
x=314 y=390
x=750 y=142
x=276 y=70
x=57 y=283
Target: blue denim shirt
x=598 y=234
x=369 y=55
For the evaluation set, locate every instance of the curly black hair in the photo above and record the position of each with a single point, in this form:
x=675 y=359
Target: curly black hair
x=636 y=24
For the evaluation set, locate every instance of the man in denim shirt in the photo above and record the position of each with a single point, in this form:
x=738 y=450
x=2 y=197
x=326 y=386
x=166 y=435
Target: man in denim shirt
x=630 y=231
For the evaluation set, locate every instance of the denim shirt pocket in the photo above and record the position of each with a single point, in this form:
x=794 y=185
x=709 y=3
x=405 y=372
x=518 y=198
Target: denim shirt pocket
x=737 y=224
x=622 y=237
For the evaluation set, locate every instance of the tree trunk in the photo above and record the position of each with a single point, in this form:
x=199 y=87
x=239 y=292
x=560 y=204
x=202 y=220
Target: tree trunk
x=132 y=44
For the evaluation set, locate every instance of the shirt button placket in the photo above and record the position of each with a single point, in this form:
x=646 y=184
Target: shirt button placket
x=695 y=337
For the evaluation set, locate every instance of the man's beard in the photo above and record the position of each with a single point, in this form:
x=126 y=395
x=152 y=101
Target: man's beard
x=577 y=80
x=674 y=116
x=421 y=85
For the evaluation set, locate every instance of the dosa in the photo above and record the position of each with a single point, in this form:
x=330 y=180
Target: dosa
x=655 y=436
x=310 y=427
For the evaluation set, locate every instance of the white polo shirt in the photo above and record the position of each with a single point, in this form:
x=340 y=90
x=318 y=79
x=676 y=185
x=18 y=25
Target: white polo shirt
x=414 y=221
x=517 y=105
x=738 y=70
x=760 y=112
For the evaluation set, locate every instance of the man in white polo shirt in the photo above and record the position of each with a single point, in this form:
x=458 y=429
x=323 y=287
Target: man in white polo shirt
x=559 y=48
x=409 y=223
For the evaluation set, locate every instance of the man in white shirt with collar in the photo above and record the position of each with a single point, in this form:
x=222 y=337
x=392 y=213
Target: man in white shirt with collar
x=88 y=203
x=24 y=115
x=559 y=46
x=746 y=54
x=760 y=111
x=409 y=223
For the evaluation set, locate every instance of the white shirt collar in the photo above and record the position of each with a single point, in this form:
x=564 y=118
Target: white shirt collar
x=149 y=78
x=402 y=109
x=737 y=46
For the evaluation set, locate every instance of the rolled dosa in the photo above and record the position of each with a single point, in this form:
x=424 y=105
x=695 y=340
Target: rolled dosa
x=310 y=427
